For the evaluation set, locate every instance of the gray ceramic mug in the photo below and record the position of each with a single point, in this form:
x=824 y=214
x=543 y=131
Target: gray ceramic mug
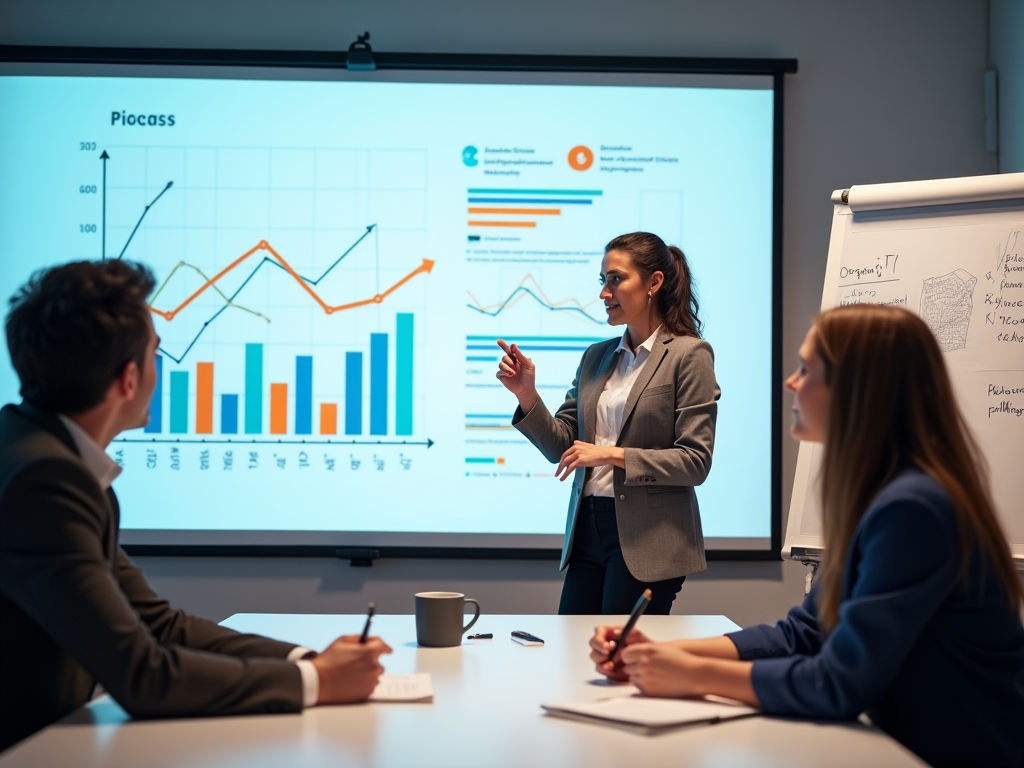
x=439 y=617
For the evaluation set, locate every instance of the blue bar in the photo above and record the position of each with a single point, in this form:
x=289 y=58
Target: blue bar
x=403 y=373
x=156 y=405
x=179 y=402
x=532 y=348
x=253 y=389
x=378 y=383
x=353 y=393
x=229 y=414
x=303 y=395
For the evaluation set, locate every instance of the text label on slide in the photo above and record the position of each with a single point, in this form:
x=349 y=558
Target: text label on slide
x=126 y=118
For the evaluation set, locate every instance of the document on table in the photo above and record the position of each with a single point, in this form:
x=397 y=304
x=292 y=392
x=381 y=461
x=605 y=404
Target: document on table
x=648 y=715
x=411 y=688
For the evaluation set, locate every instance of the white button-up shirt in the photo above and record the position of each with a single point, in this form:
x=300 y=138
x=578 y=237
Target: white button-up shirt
x=611 y=405
x=103 y=468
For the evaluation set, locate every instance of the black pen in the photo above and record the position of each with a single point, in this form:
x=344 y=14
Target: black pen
x=370 y=610
x=638 y=611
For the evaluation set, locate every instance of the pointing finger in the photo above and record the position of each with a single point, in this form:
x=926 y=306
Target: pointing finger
x=520 y=357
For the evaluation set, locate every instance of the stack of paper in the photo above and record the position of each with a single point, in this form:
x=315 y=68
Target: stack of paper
x=403 y=688
x=647 y=715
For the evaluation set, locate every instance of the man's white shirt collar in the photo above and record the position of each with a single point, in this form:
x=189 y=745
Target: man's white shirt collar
x=103 y=468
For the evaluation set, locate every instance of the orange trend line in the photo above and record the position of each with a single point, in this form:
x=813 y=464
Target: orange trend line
x=425 y=267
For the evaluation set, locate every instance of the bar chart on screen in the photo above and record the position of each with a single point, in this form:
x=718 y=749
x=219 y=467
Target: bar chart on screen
x=305 y=338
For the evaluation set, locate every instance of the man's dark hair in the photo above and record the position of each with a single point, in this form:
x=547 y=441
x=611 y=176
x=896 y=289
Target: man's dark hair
x=72 y=329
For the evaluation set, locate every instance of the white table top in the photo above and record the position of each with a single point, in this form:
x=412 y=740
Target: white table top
x=485 y=713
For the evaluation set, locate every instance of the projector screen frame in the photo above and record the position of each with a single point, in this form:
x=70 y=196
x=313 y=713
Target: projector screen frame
x=364 y=553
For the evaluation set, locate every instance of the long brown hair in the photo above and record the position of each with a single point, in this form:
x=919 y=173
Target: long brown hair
x=891 y=405
x=676 y=303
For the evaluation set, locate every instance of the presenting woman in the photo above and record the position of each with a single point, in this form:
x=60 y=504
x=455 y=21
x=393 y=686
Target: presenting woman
x=636 y=432
x=914 y=617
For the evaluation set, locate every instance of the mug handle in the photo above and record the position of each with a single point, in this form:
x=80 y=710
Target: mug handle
x=477 y=616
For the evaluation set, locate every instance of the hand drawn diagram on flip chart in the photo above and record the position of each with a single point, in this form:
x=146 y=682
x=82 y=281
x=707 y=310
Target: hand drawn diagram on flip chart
x=951 y=250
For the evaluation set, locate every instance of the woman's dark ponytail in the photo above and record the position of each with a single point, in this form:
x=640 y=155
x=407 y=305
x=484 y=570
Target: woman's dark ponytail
x=676 y=300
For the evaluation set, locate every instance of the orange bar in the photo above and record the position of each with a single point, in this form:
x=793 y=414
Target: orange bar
x=526 y=211
x=328 y=418
x=278 y=409
x=503 y=223
x=204 y=398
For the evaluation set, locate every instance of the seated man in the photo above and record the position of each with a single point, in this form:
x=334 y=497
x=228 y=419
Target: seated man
x=74 y=610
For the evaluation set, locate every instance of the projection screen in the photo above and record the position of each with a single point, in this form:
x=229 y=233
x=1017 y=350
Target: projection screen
x=337 y=253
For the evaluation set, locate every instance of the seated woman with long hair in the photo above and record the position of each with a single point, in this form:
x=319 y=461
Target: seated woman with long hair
x=914 y=618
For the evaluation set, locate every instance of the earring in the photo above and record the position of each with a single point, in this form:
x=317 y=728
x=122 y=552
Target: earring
x=650 y=295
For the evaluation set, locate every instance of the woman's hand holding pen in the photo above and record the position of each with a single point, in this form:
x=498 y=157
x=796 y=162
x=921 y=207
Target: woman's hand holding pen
x=589 y=455
x=663 y=669
x=657 y=669
x=518 y=374
x=601 y=645
x=677 y=668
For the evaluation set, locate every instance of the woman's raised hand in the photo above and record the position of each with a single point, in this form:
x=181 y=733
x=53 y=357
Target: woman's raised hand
x=518 y=374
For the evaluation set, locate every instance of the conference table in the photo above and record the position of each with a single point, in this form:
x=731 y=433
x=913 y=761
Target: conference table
x=485 y=714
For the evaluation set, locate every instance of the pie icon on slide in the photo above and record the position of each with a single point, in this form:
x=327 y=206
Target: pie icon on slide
x=581 y=158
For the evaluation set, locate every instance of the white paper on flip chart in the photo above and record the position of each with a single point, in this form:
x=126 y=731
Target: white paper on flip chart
x=915 y=194
x=650 y=715
x=404 y=688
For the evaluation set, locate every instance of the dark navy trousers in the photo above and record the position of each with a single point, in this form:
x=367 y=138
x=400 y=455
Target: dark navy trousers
x=597 y=580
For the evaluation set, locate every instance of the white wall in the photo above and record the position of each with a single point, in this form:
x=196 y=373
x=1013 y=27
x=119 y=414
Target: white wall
x=1007 y=54
x=887 y=90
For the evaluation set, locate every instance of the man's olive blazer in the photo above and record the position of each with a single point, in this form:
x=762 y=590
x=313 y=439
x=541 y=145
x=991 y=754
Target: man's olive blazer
x=668 y=431
x=75 y=611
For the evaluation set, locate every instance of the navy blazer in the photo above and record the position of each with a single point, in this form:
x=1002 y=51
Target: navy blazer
x=935 y=660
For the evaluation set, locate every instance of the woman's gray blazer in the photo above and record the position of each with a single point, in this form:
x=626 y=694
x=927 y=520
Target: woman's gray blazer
x=668 y=431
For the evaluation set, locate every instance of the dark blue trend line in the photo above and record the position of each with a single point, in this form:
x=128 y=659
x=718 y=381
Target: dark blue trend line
x=351 y=248
x=231 y=298
x=540 y=301
x=139 y=222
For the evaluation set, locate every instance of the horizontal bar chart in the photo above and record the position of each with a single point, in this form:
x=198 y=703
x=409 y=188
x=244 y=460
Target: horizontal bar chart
x=497 y=203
